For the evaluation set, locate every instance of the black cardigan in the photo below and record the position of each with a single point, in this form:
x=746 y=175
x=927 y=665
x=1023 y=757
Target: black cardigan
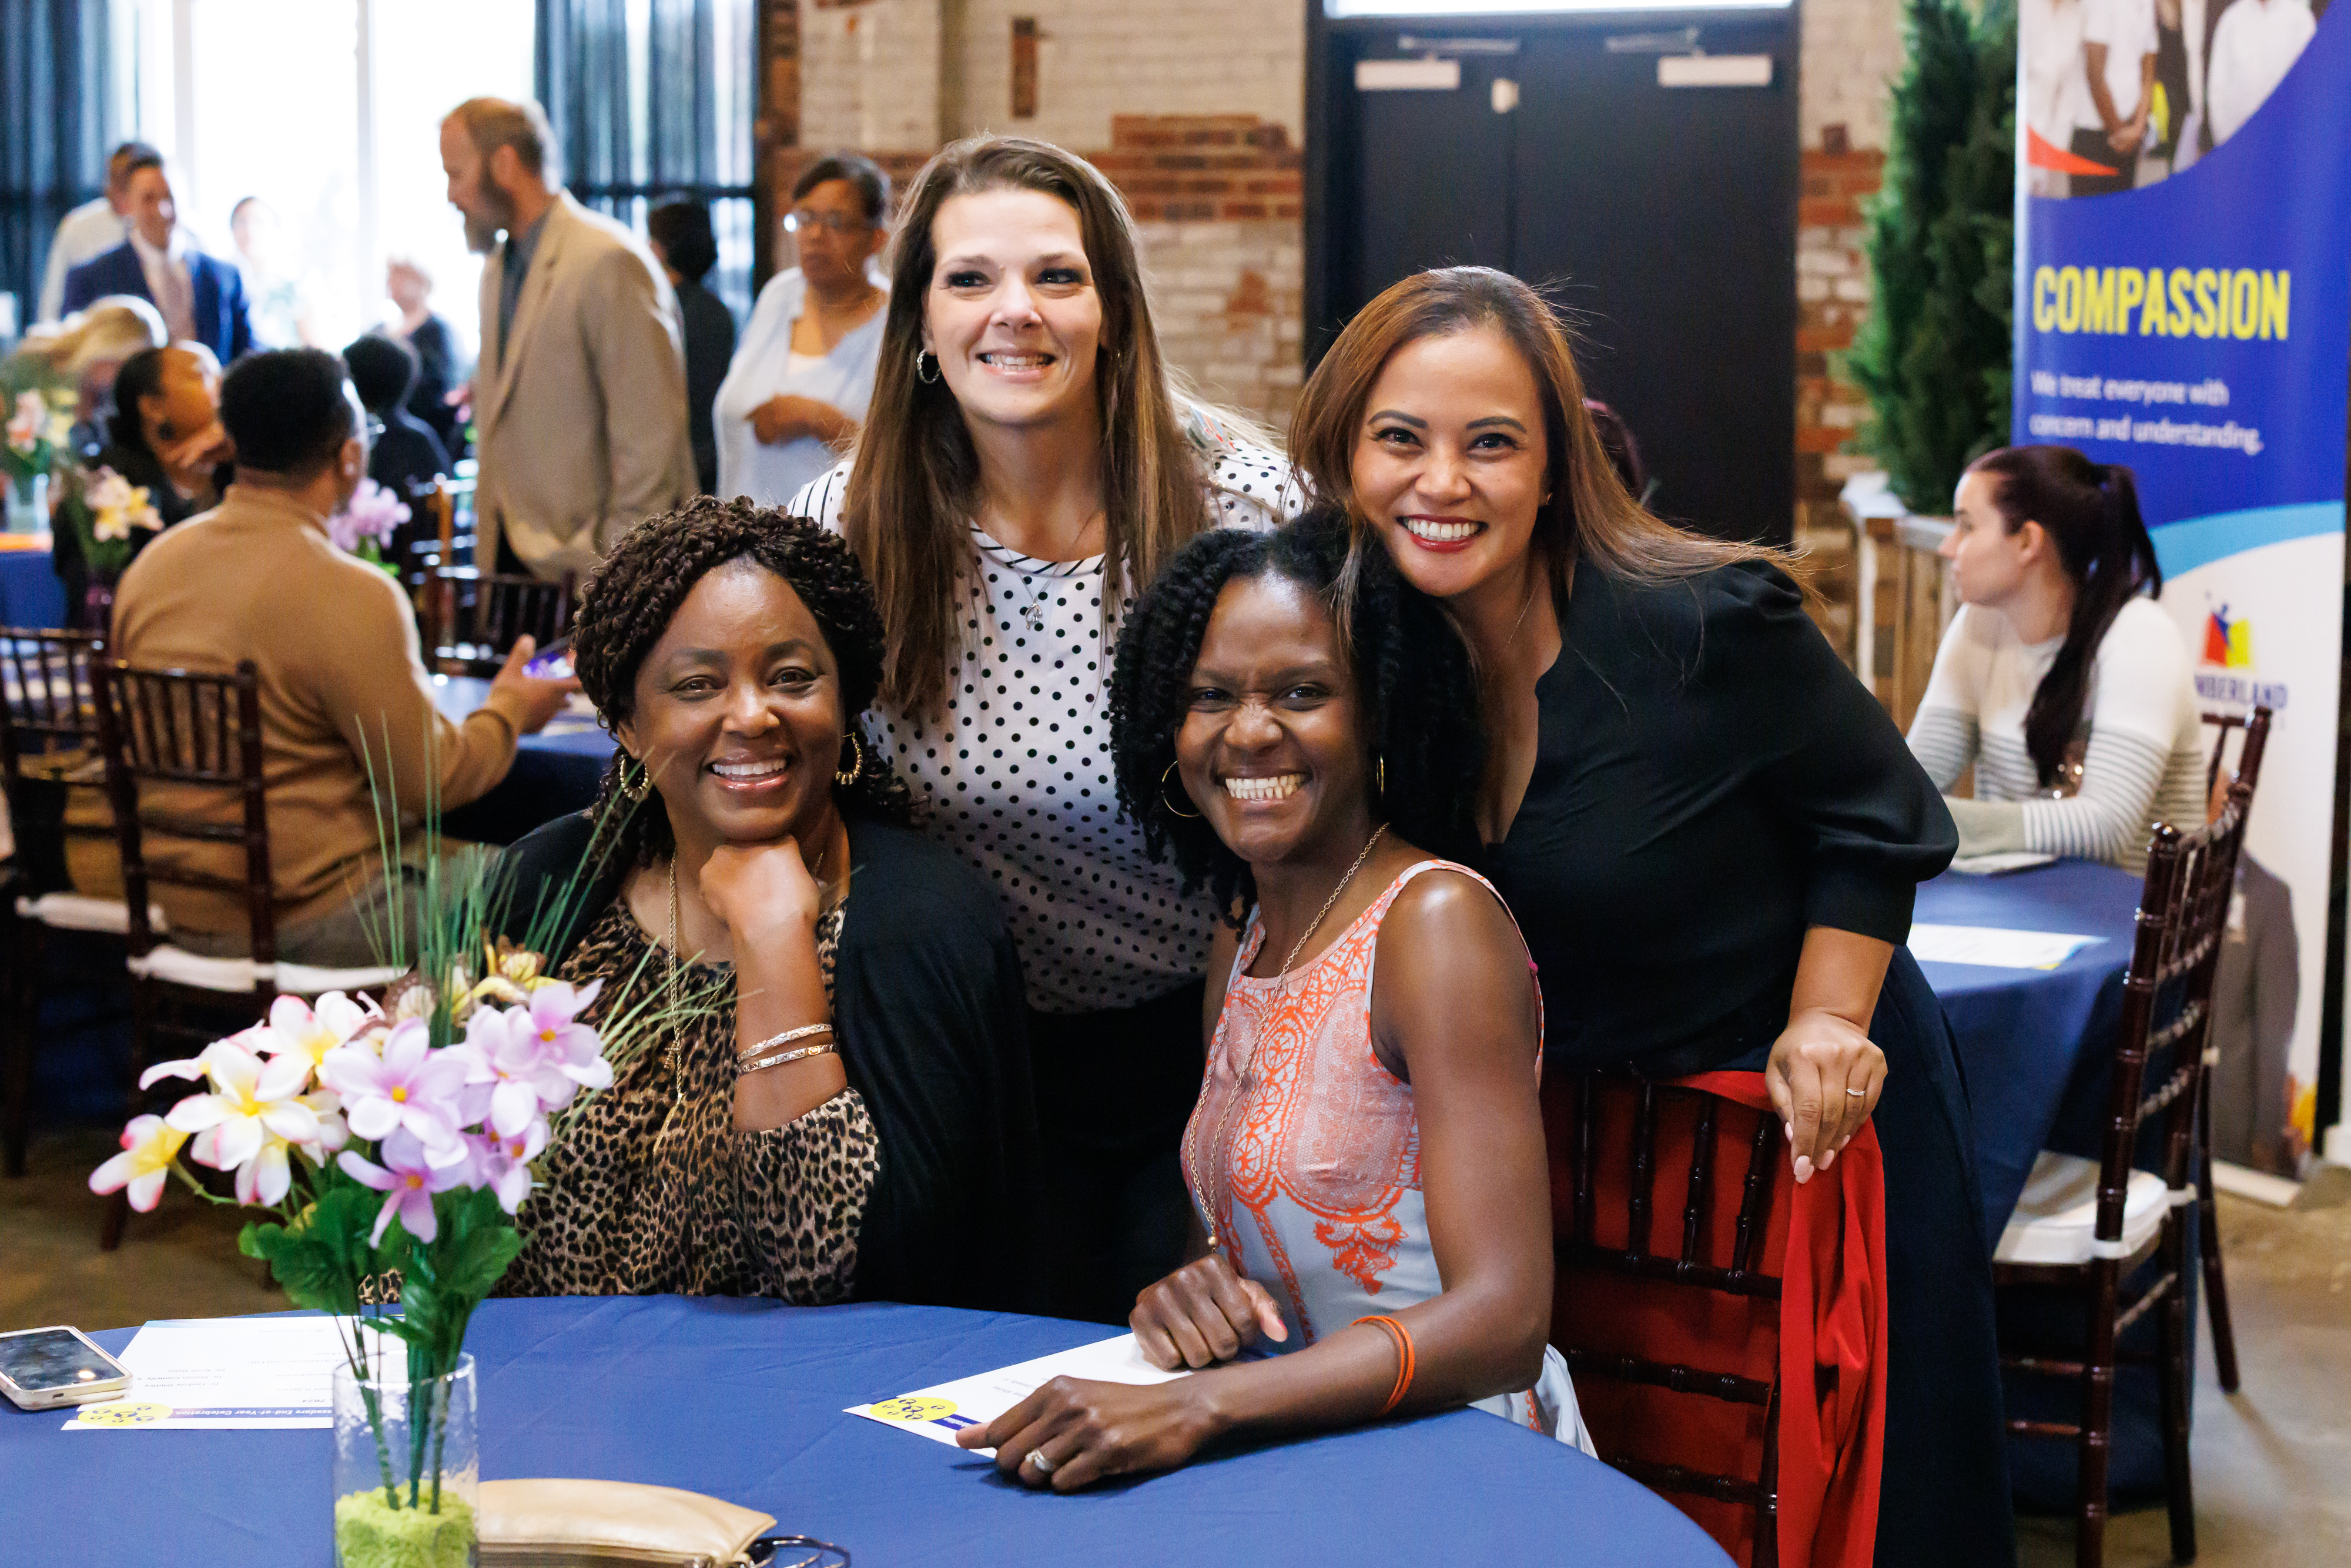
x=927 y=1000
x=1710 y=781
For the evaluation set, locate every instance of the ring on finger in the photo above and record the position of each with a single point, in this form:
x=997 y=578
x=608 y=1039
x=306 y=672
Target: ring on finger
x=1859 y=1094
x=1045 y=1466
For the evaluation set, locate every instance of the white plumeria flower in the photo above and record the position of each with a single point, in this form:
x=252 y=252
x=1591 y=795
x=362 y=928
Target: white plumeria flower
x=333 y=1132
x=149 y=1147
x=296 y=1027
x=248 y=1120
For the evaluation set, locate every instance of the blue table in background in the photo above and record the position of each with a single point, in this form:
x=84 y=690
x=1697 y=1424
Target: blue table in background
x=2037 y=1049
x=2032 y=1041
x=743 y=1400
x=555 y=773
x=30 y=593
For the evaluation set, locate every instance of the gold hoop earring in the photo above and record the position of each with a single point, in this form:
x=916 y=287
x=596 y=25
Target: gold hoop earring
x=644 y=787
x=856 y=749
x=933 y=379
x=1164 y=803
x=1380 y=774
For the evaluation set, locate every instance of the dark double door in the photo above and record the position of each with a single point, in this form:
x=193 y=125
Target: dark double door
x=1663 y=218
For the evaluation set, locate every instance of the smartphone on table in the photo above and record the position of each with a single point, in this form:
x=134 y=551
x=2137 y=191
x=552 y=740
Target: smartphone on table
x=41 y=1368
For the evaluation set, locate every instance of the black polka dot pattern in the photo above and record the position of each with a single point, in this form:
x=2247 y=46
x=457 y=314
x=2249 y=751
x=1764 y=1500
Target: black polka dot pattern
x=1017 y=780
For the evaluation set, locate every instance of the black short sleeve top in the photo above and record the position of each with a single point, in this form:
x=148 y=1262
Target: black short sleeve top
x=1709 y=783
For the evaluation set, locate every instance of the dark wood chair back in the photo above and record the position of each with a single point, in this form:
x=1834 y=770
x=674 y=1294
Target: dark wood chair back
x=2166 y=999
x=193 y=731
x=1666 y=1204
x=48 y=720
x=2254 y=725
x=478 y=615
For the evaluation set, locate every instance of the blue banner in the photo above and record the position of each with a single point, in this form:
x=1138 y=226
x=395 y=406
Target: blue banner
x=2183 y=307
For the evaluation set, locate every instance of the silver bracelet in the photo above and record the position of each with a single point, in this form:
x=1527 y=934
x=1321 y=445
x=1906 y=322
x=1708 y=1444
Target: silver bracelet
x=745 y=1069
x=790 y=1035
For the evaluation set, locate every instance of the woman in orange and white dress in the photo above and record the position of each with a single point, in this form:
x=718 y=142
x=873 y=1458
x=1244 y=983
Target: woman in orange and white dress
x=1366 y=1158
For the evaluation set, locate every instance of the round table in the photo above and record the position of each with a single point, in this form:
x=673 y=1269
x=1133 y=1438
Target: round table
x=2037 y=1049
x=556 y=771
x=2032 y=1042
x=30 y=593
x=743 y=1400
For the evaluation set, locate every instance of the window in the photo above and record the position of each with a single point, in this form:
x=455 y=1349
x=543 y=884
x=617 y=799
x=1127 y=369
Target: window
x=328 y=111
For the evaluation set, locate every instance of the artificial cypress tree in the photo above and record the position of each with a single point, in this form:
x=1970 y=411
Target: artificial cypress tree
x=1934 y=356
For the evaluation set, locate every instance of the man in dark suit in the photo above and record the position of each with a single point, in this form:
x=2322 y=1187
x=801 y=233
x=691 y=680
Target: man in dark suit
x=201 y=297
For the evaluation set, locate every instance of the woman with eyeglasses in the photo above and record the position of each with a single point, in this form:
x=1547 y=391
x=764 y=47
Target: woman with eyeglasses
x=803 y=371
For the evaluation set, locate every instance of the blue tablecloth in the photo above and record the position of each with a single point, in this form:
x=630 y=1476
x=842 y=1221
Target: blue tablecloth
x=30 y=593
x=555 y=772
x=743 y=1400
x=2029 y=1039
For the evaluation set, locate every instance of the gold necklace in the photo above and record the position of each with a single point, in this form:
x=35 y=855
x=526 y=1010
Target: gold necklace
x=1240 y=1076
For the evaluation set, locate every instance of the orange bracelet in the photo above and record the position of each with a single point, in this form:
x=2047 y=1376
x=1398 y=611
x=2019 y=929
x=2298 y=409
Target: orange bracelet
x=1403 y=1337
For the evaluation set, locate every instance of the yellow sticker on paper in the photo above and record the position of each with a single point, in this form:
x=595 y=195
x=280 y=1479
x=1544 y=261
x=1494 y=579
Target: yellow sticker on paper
x=122 y=1413
x=913 y=1408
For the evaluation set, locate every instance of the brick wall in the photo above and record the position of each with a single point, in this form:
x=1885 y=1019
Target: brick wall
x=1219 y=201
x=1211 y=169
x=1196 y=111
x=1851 y=51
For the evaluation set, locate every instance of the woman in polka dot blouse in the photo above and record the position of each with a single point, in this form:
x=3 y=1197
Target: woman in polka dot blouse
x=1029 y=464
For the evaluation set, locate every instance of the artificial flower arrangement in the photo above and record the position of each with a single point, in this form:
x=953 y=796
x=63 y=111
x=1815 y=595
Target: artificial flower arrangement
x=393 y=1142
x=107 y=512
x=38 y=431
x=364 y=525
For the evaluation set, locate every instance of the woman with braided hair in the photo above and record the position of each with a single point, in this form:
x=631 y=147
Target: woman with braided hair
x=847 y=1113
x=1365 y=1160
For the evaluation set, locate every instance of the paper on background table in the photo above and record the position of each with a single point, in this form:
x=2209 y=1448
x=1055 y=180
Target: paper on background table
x=941 y=1411
x=1993 y=946
x=2001 y=864
x=221 y=1372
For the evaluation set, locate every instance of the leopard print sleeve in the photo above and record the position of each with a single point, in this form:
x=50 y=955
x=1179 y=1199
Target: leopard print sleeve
x=800 y=1195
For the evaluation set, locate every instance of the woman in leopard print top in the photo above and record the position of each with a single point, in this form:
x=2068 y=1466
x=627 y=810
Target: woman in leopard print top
x=729 y=649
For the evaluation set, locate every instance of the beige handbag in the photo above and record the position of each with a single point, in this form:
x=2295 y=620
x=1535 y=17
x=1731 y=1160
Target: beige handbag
x=609 y=1525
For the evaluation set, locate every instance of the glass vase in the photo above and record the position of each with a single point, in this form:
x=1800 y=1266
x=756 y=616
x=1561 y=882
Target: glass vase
x=29 y=502
x=407 y=1464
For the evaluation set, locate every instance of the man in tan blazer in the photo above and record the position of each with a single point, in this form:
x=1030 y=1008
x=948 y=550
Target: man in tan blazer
x=579 y=397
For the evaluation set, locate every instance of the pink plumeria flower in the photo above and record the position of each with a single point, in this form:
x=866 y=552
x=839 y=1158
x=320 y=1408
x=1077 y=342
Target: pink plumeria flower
x=149 y=1147
x=411 y=1086
x=528 y=1061
x=251 y=1115
x=407 y=1178
x=296 y=1026
x=503 y=1164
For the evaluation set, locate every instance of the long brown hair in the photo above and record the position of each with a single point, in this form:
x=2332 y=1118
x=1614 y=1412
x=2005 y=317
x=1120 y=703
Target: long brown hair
x=915 y=483
x=1589 y=515
x=2090 y=511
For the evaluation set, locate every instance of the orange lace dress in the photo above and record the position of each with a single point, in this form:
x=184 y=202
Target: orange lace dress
x=1316 y=1188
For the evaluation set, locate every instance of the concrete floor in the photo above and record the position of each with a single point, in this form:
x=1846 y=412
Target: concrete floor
x=2272 y=1465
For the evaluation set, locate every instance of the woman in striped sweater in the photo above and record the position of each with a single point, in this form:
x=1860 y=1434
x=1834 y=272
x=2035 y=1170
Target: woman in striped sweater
x=2061 y=679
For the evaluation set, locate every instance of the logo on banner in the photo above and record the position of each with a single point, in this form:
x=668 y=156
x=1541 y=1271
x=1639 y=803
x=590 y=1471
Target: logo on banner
x=2229 y=646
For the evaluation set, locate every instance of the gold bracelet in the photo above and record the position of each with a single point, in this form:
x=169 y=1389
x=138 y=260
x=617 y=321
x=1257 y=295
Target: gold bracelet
x=744 y=1068
x=790 y=1035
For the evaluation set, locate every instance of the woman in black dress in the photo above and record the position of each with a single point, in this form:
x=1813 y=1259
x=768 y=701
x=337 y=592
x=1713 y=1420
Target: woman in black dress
x=1710 y=832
